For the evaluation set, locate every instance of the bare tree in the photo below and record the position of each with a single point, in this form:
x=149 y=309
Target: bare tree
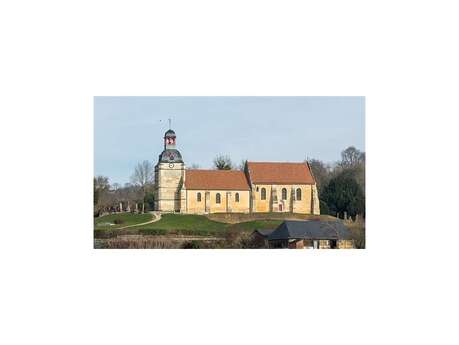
x=101 y=189
x=353 y=160
x=195 y=166
x=241 y=166
x=223 y=163
x=133 y=195
x=143 y=176
x=351 y=157
x=321 y=172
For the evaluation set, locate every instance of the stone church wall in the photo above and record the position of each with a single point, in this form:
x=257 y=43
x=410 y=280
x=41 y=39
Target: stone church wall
x=274 y=202
x=208 y=202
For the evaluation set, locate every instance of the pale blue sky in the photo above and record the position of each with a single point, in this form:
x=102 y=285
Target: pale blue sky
x=129 y=130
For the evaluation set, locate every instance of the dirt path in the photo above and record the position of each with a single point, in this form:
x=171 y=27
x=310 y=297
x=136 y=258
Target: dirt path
x=156 y=217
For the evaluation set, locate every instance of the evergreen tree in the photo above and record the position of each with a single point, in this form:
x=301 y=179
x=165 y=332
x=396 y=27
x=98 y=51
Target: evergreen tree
x=343 y=194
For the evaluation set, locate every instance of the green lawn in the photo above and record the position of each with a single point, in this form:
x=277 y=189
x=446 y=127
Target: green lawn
x=256 y=224
x=179 y=224
x=126 y=218
x=184 y=222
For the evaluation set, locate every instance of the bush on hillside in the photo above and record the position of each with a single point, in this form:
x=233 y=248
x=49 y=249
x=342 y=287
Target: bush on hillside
x=153 y=232
x=191 y=245
x=104 y=234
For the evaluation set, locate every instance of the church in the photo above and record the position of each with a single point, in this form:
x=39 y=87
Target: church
x=261 y=187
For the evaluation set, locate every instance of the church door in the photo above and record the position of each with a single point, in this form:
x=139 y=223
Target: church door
x=280 y=207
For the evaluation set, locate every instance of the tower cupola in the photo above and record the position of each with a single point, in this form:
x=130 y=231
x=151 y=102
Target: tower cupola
x=170 y=153
x=169 y=139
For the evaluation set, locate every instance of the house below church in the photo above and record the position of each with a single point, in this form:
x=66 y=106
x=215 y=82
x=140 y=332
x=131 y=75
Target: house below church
x=300 y=234
x=261 y=187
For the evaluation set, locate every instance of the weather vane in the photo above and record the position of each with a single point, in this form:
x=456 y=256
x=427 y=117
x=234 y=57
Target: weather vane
x=170 y=123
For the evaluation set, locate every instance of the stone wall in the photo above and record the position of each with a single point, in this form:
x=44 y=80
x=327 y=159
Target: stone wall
x=208 y=203
x=315 y=200
x=346 y=244
x=275 y=203
x=170 y=179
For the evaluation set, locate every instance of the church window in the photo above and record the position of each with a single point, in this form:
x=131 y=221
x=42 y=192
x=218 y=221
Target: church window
x=218 y=198
x=284 y=194
x=298 y=194
x=263 y=194
x=237 y=197
x=198 y=197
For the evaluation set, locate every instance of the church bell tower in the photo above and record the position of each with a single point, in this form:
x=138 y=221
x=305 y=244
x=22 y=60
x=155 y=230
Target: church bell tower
x=169 y=177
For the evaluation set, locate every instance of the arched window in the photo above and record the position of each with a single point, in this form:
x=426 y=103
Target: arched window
x=237 y=197
x=198 y=197
x=298 y=194
x=284 y=194
x=263 y=194
x=218 y=198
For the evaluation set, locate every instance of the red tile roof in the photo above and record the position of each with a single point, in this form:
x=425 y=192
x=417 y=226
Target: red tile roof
x=216 y=180
x=280 y=173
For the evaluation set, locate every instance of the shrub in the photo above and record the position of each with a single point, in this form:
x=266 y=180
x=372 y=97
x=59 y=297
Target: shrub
x=153 y=231
x=104 y=234
x=191 y=245
x=343 y=194
x=118 y=221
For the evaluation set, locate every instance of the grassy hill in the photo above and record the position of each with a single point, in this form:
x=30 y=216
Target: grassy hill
x=233 y=218
x=118 y=220
x=177 y=224
x=191 y=225
x=255 y=224
x=180 y=228
x=184 y=222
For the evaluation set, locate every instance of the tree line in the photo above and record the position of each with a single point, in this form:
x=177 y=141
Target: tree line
x=136 y=196
x=341 y=184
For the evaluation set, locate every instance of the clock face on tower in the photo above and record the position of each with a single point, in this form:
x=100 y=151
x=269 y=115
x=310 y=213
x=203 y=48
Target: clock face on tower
x=171 y=165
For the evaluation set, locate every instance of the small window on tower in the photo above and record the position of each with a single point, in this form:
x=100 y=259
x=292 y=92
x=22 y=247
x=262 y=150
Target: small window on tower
x=198 y=197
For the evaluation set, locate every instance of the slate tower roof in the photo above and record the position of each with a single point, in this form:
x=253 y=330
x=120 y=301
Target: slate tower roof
x=170 y=153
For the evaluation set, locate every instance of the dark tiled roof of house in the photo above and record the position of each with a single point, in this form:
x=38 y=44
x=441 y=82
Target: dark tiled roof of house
x=216 y=180
x=311 y=230
x=279 y=173
x=264 y=232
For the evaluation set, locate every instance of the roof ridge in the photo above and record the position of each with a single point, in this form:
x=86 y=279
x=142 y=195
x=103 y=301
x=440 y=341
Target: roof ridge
x=265 y=162
x=215 y=170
